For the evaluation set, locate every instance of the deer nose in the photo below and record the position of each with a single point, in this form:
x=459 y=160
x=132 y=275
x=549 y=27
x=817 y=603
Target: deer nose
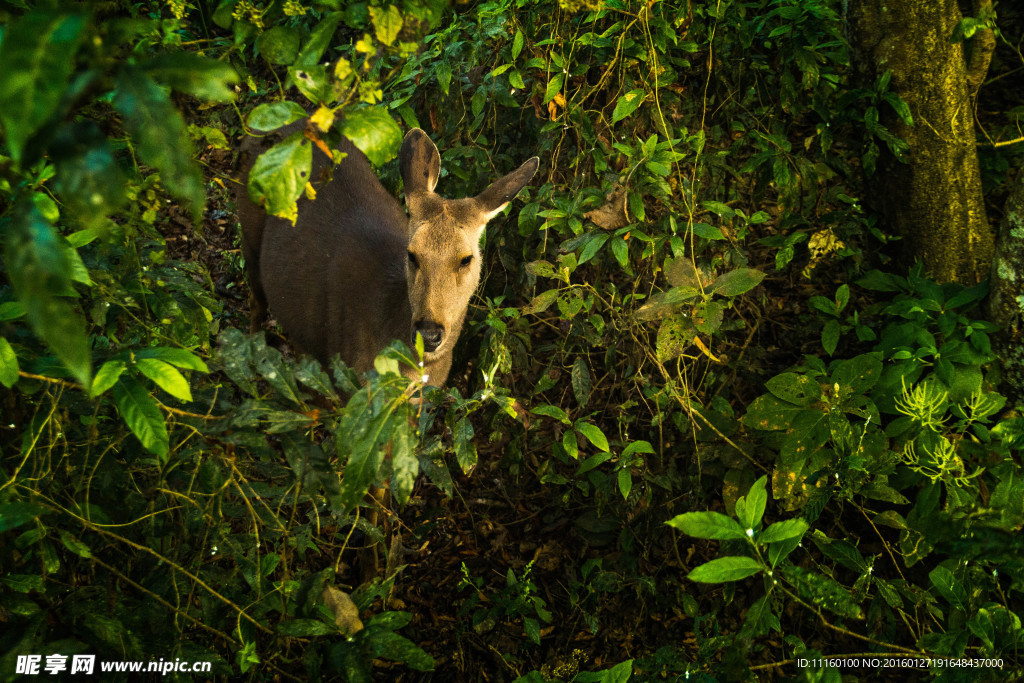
x=432 y=334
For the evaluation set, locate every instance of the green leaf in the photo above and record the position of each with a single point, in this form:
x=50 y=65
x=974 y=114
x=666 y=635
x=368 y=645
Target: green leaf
x=386 y=23
x=319 y=40
x=738 y=281
x=374 y=132
x=709 y=524
x=8 y=364
x=794 y=388
x=830 y=336
x=760 y=619
x=177 y=357
x=517 y=45
x=107 y=377
x=593 y=434
x=730 y=568
x=166 y=377
x=279 y=45
x=551 y=411
x=444 y=75
x=37 y=58
x=74 y=545
x=949 y=587
x=279 y=175
x=627 y=104
x=625 y=482
x=152 y=121
x=142 y=415
x=675 y=334
x=273 y=115
x=304 y=628
x=39 y=270
x=554 y=87
x=750 y=508
x=780 y=531
x=313 y=82
x=89 y=179
x=201 y=77
x=13 y=515
x=465 y=450
x=823 y=592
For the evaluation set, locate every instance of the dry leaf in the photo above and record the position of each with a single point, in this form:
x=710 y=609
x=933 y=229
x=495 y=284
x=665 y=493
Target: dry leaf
x=346 y=614
x=612 y=215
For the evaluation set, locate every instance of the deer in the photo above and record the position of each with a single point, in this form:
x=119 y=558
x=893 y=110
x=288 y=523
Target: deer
x=355 y=272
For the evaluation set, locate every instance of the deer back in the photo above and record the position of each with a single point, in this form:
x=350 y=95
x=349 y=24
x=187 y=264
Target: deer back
x=355 y=273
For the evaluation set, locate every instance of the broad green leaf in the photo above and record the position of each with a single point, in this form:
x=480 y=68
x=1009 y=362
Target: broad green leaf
x=166 y=377
x=593 y=434
x=74 y=545
x=554 y=87
x=625 y=482
x=551 y=411
x=13 y=515
x=517 y=45
x=675 y=334
x=760 y=619
x=313 y=82
x=708 y=524
x=822 y=591
x=465 y=449
x=273 y=115
x=279 y=45
x=949 y=587
x=89 y=179
x=386 y=23
x=404 y=463
x=152 y=121
x=142 y=415
x=304 y=628
x=637 y=447
x=830 y=336
x=187 y=72
x=627 y=104
x=738 y=281
x=794 y=388
x=620 y=673
x=37 y=58
x=8 y=364
x=780 y=531
x=592 y=462
x=177 y=357
x=38 y=268
x=444 y=75
x=374 y=132
x=107 y=377
x=279 y=175
x=769 y=413
x=750 y=508
x=319 y=40
x=541 y=302
x=730 y=568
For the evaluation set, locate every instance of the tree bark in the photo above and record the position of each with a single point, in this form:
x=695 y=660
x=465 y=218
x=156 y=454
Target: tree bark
x=1006 y=298
x=934 y=201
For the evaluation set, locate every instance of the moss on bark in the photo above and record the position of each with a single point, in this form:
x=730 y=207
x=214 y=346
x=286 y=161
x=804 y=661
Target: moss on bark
x=935 y=199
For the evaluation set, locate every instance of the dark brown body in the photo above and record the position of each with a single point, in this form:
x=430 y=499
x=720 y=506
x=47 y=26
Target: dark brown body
x=355 y=273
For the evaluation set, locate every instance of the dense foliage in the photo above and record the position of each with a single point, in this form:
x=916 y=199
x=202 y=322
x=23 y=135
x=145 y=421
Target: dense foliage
x=691 y=328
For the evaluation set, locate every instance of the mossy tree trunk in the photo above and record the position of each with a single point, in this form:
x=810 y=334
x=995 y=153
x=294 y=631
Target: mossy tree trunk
x=1006 y=300
x=934 y=201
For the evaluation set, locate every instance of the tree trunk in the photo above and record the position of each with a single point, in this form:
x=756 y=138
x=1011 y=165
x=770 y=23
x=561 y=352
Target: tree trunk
x=1006 y=299
x=934 y=201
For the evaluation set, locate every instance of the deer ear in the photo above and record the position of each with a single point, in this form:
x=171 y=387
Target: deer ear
x=503 y=190
x=420 y=162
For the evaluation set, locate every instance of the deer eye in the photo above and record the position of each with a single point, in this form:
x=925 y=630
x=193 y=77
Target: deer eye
x=413 y=261
x=466 y=260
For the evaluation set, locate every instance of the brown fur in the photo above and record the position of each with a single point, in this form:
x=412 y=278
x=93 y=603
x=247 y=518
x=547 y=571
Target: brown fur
x=355 y=273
